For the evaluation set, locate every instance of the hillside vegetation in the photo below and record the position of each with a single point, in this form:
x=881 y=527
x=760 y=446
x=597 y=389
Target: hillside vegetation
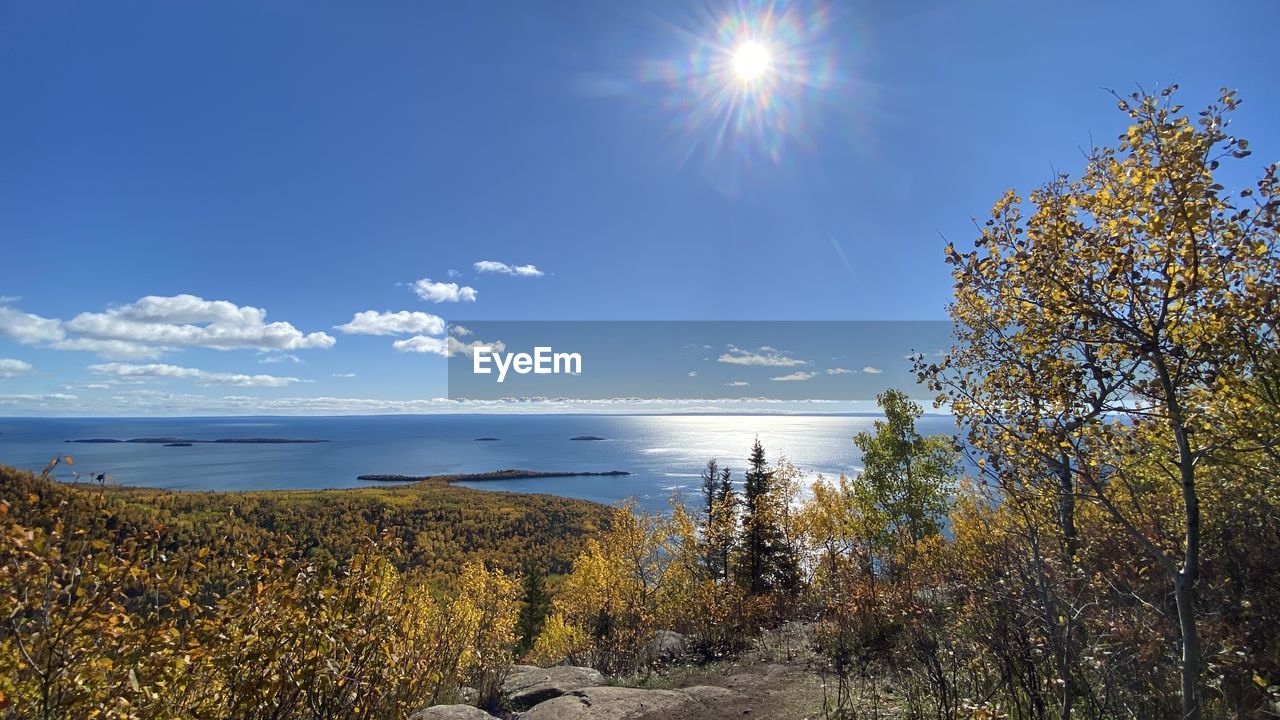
x=125 y=602
x=434 y=526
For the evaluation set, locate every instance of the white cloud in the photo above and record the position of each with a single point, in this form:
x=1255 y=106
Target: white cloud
x=10 y=368
x=693 y=373
x=372 y=322
x=189 y=321
x=201 y=377
x=796 y=376
x=277 y=358
x=423 y=344
x=424 y=328
x=737 y=383
x=456 y=346
x=36 y=400
x=493 y=266
x=840 y=371
x=111 y=349
x=439 y=292
x=765 y=357
x=871 y=370
x=453 y=273
x=344 y=375
x=29 y=329
x=443 y=346
x=104 y=385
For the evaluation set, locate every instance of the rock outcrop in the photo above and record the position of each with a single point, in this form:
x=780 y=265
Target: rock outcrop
x=620 y=703
x=451 y=712
x=528 y=685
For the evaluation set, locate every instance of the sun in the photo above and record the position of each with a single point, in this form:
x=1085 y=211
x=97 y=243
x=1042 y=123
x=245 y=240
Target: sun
x=751 y=60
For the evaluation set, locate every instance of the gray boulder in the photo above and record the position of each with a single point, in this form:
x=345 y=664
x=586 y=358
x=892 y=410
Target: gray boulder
x=665 y=645
x=607 y=703
x=451 y=712
x=527 y=685
x=619 y=703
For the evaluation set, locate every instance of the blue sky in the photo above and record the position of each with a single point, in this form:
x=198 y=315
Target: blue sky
x=312 y=161
x=831 y=365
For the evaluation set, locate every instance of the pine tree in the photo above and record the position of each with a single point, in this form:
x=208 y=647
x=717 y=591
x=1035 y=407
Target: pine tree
x=718 y=524
x=766 y=562
x=710 y=489
x=710 y=511
x=533 y=615
x=726 y=522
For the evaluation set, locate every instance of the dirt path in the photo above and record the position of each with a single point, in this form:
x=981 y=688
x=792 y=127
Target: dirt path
x=773 y=681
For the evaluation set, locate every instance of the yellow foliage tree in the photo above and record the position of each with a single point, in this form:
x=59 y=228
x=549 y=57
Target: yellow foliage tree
x=1122 y=313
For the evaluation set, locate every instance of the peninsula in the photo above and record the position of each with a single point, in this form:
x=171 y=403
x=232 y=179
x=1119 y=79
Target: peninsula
x=495 y=475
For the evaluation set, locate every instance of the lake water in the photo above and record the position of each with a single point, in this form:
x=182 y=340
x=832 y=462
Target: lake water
x=663 y=453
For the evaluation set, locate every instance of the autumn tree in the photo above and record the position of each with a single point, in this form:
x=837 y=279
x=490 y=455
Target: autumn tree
x=618 y=592
x=1116 y=316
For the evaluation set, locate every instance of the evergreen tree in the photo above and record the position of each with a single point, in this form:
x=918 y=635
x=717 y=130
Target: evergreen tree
x=726 y=522
x=533 y=615
x=710 y=489
x=766 y=562
x=718 y=524
x=710 y=511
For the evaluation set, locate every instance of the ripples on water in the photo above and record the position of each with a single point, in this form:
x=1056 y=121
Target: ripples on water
x=664 y=453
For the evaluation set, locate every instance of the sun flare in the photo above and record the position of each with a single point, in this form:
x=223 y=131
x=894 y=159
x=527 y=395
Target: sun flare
x=751 y=60
x=747 y=84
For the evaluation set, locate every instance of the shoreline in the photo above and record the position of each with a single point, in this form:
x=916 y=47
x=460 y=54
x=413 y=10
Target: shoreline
x=486 y=476
x=186 y=441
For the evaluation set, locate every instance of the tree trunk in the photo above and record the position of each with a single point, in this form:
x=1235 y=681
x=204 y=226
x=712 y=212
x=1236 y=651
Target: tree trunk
x=1070 y=547
x=1190 y=648
x=1184 y=583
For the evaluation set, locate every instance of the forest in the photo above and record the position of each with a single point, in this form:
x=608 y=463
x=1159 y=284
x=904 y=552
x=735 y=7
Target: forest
x=1101 y=539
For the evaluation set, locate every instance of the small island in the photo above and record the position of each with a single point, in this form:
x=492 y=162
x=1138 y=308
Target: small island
x=496 y=475
x=587 y=437
x=485 y=439
x=178 y=444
